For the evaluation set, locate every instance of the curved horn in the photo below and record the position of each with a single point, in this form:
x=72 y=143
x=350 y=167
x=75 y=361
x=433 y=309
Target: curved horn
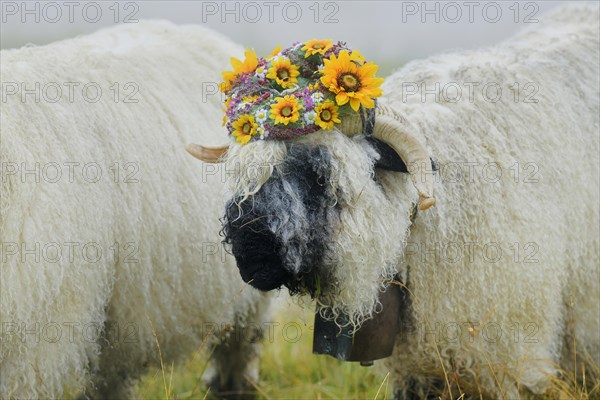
x=211 y=155
x=389 y=130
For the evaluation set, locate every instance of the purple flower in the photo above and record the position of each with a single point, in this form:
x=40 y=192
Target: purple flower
x=308 y=102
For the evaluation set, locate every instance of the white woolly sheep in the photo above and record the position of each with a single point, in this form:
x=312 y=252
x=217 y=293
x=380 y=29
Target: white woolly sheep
x=110 y=242
x=504 y=313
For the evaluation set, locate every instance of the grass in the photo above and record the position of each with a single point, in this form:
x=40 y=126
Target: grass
x=289 y=370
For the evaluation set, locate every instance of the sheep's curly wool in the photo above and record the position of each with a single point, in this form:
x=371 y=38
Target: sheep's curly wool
x=362 y=248
x=181 y=281
x=540 y=290
x=505 y=310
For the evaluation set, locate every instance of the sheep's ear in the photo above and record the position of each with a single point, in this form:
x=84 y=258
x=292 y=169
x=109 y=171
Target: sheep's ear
x=388 y=158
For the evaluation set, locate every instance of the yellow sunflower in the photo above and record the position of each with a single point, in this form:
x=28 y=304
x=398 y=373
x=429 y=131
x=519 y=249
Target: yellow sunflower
x=283 y=72
x=244 y=128
x=327 y=115
x=239 y=67
x=276 y=51
x=357 y=56
x=286 y=110
x=350 y=82
x=316 y=47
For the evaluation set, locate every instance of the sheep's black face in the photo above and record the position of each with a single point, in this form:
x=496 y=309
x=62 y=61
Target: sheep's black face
x=281 y=233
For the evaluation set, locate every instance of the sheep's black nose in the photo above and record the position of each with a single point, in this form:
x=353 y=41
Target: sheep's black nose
x=256 y=251
x=263 y=275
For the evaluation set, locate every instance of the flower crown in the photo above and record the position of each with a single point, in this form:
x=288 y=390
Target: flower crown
x=296 y=91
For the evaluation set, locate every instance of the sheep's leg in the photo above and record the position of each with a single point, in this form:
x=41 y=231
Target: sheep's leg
x=234 y=369
x=111 y=384
x=115 y=375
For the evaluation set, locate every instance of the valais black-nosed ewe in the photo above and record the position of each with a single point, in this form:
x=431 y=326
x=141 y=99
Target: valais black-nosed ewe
x=503 y=272
x=94 y=260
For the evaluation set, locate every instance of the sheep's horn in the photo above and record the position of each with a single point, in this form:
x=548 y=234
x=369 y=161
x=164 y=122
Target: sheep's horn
x=389 y=130
x=211 y=155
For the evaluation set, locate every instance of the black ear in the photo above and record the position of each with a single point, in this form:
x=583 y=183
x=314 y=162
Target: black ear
x=388 y=158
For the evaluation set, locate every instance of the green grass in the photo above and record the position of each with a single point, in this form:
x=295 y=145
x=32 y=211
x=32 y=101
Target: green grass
x=289 y=370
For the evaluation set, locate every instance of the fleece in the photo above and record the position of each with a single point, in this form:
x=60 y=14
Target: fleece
x=110 y=230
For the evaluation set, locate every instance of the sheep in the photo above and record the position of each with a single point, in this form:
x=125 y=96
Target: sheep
x=329 y=214
x=110 y=243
